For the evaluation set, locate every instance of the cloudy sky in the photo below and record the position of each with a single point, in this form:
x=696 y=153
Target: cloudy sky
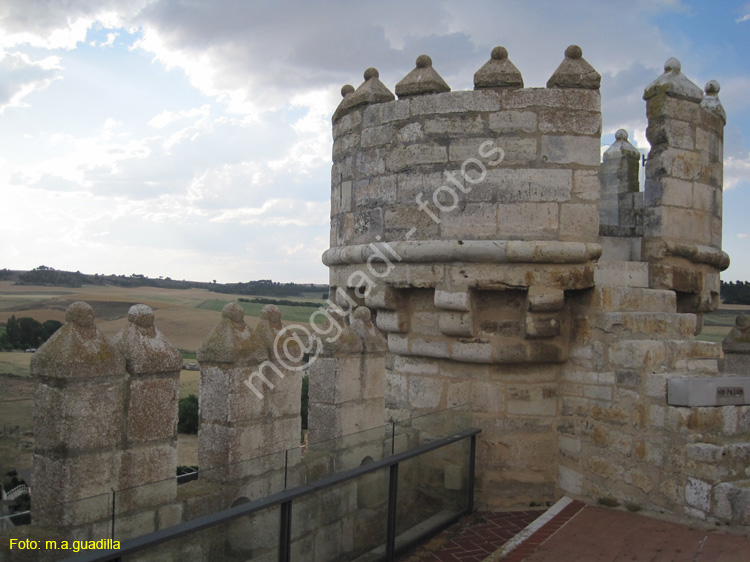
x=191 y=138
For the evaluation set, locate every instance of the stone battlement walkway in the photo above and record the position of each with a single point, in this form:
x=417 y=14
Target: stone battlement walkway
x=572 y=531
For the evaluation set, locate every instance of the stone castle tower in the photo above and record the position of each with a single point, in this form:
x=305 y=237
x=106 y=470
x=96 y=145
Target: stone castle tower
x=512 y=269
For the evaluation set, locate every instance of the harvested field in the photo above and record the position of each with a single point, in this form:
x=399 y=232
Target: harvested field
x=14 y=363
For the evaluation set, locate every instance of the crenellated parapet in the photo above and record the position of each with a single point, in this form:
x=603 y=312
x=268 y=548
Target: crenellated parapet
x=105 y=416
x=435 y=189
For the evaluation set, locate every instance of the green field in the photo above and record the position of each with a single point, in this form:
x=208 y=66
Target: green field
x=716 y=325
x=299 y=314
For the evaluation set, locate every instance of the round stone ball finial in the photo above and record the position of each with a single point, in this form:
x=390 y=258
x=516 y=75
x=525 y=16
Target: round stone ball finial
x=672 y=65
x=141 y=315
x=362 y=313
x=499 y=53
x=423 y=61
x=81 y=314
x=272 y=314
x=712 y=88
x=234 y=312
x=573 y=52
x=346 y=90
x=621 y=135
x=371 y=72
x=743 y=321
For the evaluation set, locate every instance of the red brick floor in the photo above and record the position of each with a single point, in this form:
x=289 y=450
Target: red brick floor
x=598 y=534
x=533 y=542
x=473 y=538
x=582 y=533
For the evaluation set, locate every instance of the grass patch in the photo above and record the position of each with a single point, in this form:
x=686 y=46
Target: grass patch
x=715 y=334
x=189 y=354
x=608 y=502
x=633 y=507
x=722 y=317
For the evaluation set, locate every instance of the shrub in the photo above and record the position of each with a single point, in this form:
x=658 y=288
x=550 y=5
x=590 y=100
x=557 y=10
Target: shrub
x=187 y=416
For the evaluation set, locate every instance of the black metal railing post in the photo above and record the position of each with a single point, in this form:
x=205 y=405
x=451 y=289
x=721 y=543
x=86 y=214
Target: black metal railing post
x=393 y=438
x=390 y=533
x=286 y=466
x=472 y=468
x=114 y=496
x=285 y=532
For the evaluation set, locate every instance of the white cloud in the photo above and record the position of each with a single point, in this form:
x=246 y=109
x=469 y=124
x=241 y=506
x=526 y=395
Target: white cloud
x=108 y=43
x=736 y=170
x=20 y=76
x=743 y=236
x=167 y=117
x=61 y=25
x=279 y=212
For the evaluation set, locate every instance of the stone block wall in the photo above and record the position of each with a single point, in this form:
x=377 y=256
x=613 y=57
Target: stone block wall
x=462 y=219
x=539 y=285
x=683 y=191
x=494 y=164
x=105 y=421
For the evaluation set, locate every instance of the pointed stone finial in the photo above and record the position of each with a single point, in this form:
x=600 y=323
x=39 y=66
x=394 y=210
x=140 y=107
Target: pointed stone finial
x=372 y=90
x=498 y=72
x=575 y=72
x=81 y=314
x=234 y=313
x=422 y=80
x=78 y=350
x=673 y=83
x=272 y=315
x=621 y=147
x=144 y=347
x=711 y=100
x=232 y=341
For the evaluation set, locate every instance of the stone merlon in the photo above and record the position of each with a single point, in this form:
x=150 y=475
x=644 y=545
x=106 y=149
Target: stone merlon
x=78 y=349
x=144 y=347
x=232 y=341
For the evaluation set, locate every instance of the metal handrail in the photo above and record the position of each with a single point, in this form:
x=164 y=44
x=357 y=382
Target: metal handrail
x=285 y=498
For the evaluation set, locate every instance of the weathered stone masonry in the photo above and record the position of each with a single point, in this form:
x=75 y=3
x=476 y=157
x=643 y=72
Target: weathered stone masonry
x=544 y=287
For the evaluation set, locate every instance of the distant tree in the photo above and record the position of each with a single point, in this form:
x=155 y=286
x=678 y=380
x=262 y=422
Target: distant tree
x=31 y=333
x=735 y=293
x=4 y=342
x=13 y=333
x=26 y=333
x=49 y=327
x=187 y=415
